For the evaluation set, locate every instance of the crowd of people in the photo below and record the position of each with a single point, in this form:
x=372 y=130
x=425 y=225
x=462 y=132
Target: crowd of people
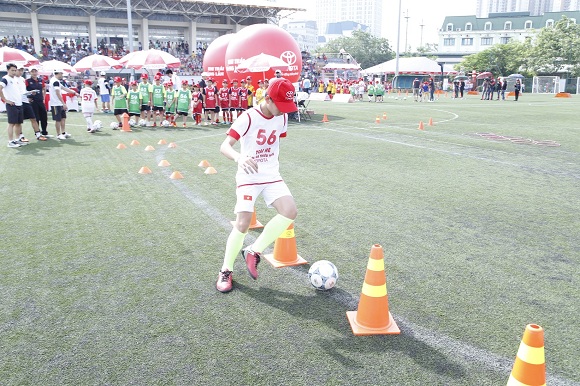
x=71 y=50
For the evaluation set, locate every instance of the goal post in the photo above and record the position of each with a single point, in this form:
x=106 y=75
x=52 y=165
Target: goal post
x=546 y=85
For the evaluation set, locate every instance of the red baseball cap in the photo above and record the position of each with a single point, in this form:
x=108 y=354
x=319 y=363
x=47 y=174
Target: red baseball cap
x=281 y=91
x=88 y=82
x=117 y=79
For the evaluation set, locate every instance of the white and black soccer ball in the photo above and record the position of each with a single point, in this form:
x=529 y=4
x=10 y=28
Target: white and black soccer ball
x=323 y=275
x=114 y=125
x=97 y=125
x=132 y=122
x=165 y=123
x=142 y=122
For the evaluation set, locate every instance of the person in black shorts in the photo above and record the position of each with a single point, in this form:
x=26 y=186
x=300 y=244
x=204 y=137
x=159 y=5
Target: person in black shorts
x=10 y=93
x=27 y=110
x=37 y=100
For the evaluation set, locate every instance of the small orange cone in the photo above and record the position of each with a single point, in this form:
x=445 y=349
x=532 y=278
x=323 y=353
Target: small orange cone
x=149 y=148
x=210 y=170
x=176 y=176
x=384 y=115
x=431 y=122
x=121 y=146
x=163 y=162
x=134 y=142
x=373 y=316
x=378 y=119
x=144 y=170
x=421 y=126
x=204 y=164
x=162 y=142
x=325 y=118
x=125 y=126
x=254 y=223
x=285 y=252
x=530 y=365
x=172 y=145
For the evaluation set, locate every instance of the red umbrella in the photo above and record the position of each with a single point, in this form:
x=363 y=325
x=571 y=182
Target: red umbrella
x=97 y=63
x=150 y=59
x=484 y=75
x=18 y=57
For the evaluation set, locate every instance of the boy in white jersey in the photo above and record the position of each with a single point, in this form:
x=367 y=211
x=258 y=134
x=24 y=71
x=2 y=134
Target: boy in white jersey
x=259 y=131
x=88 y=104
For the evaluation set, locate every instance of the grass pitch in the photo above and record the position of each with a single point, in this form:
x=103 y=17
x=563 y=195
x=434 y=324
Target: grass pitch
x=107 y=275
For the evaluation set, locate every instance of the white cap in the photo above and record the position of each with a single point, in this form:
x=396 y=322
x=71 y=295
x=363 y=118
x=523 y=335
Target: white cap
x=57 y=71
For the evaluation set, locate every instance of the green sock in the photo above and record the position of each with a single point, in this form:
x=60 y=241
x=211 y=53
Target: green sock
x=272 y=230
x=233 y=247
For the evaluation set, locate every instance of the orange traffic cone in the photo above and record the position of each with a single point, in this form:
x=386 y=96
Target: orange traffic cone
x=421 y=126
x=204 y=164
x=134 y=142
x=254 y=223
x=176 y=176
x=162 y=142
x=378 y=119
x=149 y=148
x=172 y=145
x=121 y=146
x=210 y=170
x=431 y=122
x=163 y=162
x=125 y=126
x=285 y=252
x=530 y=365
x=144 y=170
x=384 y=115
x=373 y=316
x=325 y=118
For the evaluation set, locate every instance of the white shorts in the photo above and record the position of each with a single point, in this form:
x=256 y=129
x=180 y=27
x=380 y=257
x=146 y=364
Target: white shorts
x=87 y=114
x=246 y=195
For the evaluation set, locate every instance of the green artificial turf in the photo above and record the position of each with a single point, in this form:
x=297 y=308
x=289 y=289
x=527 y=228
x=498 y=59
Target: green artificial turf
x=108 y=275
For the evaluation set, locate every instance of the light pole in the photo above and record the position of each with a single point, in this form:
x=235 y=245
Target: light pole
x=421 y=25
x=398 y=40
x=406 y=30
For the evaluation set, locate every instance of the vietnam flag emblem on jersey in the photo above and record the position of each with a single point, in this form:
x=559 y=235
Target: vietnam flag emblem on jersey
x=247 y=198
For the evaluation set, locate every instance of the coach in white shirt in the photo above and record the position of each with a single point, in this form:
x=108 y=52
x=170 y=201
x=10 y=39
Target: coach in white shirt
x=10 y=92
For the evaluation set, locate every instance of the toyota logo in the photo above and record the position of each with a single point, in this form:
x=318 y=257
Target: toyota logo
x=289 y=57
x=289 y=95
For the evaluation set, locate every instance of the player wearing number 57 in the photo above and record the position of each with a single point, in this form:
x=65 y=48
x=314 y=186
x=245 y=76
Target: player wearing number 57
x=258 y=130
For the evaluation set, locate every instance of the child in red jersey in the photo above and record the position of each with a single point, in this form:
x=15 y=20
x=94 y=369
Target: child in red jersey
x=234 y=100
x=197 y=104
x=224 y=97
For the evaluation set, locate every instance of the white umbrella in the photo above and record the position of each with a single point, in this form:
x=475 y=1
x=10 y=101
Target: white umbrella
x=51 y=66
x=150 y=60
x=261 y=63
x=97 y=63
x=18 y=57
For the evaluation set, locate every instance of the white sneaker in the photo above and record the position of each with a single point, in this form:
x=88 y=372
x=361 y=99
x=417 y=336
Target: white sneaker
x=13 y=144
x=61 y=136
x=21 y=143
x=67 y=135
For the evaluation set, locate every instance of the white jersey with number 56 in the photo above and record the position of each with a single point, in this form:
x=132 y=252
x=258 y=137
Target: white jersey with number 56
x=260 y=139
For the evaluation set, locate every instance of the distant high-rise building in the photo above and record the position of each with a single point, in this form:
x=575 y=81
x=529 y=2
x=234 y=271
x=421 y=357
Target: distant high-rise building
x=534 y=7
x=367 y=12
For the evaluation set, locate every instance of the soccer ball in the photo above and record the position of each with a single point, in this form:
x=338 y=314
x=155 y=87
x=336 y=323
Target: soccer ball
x=97 y=125
x=142 y=122
x=323 y=275
x=132 y=122
x=114 y=125
x=165 y=123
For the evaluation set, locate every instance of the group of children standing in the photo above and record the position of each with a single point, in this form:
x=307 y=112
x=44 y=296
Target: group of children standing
x=166 y=101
